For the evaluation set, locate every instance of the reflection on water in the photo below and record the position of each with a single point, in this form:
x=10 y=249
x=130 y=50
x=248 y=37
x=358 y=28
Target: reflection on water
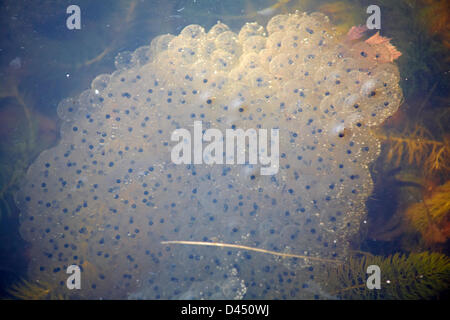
x=42 y=63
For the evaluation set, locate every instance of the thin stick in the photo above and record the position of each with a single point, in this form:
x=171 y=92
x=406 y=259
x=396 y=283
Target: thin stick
x=238 y=246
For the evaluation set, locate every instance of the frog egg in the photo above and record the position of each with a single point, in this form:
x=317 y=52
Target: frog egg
x=193 y=32
x=282 y=65
x=228 y=42
x=254 y=44
x=67 y=109
x=217 y=29
x=277 y=24
x=250 y=30
x=124 y=60
x=160 y=44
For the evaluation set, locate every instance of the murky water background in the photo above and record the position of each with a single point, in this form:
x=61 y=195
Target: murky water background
x=41 y=63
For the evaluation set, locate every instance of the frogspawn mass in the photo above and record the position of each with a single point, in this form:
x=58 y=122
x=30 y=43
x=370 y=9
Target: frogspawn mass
x=257 y=148
x=108 y=195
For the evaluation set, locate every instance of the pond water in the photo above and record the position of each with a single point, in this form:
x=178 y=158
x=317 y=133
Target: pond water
x=94 y=111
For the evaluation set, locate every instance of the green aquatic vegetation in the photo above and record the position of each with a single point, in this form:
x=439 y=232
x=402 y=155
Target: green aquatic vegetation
x=20 y=147
x=431 y=216
x=418 y=147
x=28 y=290
x=423 y=275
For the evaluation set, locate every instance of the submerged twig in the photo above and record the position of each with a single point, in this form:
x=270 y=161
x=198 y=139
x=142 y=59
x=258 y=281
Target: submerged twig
x=238 y=246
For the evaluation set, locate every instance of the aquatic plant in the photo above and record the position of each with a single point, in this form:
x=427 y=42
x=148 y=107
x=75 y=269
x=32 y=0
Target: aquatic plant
x=435 y=15
x=431 y=217
x=25 y=289
x=417 y=147
x=421 y=164
x=33 y=290
x=15 y=157
x=423 y=275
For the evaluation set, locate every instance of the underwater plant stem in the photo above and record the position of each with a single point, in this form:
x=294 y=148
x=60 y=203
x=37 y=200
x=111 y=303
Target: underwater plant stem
x=97 y=58
x=406 y=140
x=27 y=113
x=349 y=288
x=427 y=211
x=363 y=285
x=238 y=246
x=418 y=148
x=112 y=46
x=362 y=253
x=427 y=98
